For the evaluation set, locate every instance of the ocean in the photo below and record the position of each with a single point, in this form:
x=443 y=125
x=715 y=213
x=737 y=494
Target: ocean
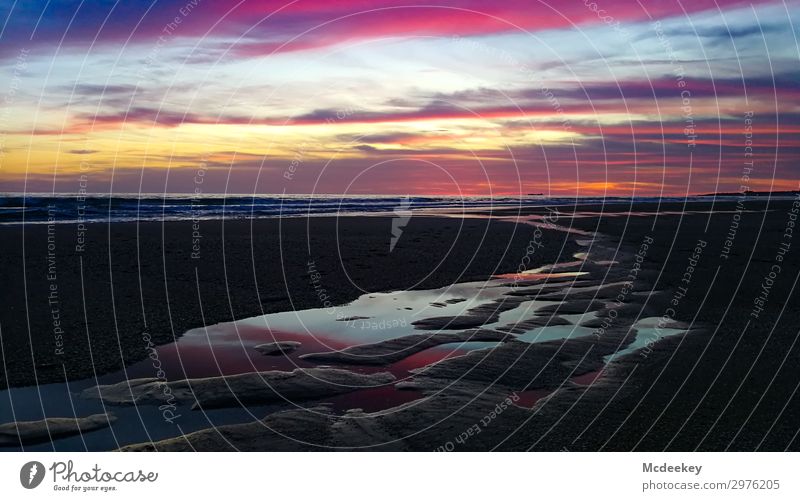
x=17 y=208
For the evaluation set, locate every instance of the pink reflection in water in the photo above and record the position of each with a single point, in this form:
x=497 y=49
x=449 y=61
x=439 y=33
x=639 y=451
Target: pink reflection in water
x=528 y=398
x=540 y=276
x=228 y=349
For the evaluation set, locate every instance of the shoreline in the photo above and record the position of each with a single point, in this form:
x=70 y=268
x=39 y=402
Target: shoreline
x=521 y=205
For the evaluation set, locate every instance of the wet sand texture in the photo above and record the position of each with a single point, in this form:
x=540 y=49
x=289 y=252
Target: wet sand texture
x=36 y=432
x=729 y=383
x=132 y=279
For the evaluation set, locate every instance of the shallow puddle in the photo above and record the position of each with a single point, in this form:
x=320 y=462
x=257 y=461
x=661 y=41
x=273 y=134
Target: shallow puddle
x=648 y=332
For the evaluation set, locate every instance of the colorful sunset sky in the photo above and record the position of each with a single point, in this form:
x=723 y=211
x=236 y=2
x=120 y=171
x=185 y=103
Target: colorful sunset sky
x=564 y=98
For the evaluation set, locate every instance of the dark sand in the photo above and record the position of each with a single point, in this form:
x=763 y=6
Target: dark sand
x=730 y=383
x=734 y=386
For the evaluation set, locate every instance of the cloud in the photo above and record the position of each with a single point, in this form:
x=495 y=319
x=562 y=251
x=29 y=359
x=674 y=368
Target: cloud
x=263 y=27
x=726 y=32
x=661 y=95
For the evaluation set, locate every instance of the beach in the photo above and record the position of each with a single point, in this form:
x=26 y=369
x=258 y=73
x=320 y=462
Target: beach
x=683 y=349
x=133 y=278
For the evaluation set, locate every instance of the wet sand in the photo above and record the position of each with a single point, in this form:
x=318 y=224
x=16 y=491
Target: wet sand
x=730 y=386
x=728 y=383
x=132 y=279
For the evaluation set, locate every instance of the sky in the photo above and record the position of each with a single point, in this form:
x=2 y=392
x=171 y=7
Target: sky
x=350 y=97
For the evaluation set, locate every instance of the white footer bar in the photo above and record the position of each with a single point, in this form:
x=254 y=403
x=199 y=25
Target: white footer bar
x=401 y=476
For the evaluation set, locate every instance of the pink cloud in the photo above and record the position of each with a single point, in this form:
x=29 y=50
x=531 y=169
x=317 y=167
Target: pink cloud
x=271 y=26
